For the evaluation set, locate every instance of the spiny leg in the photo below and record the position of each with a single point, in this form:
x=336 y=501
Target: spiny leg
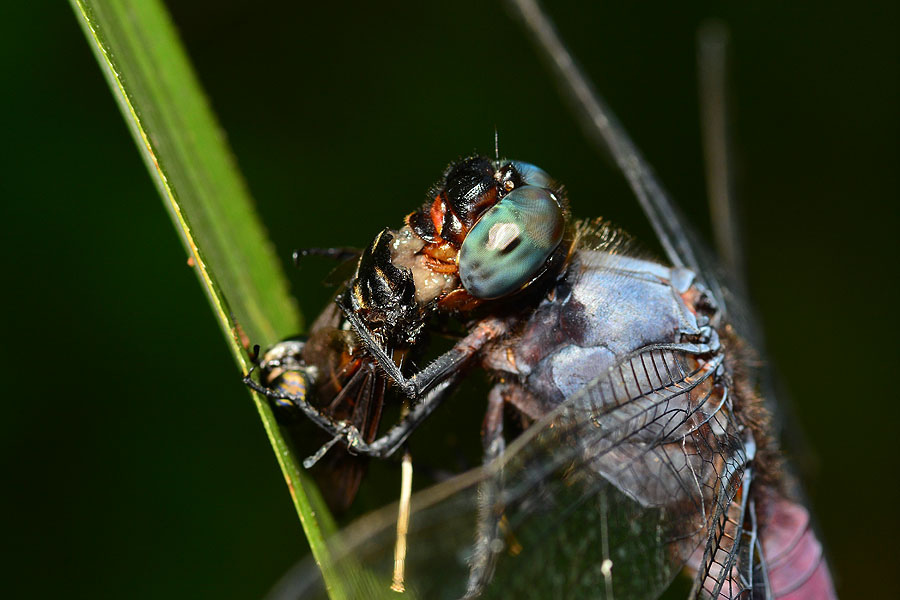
x=444 y=366
x=296 y=400
x=427 y=389
x=381 y=447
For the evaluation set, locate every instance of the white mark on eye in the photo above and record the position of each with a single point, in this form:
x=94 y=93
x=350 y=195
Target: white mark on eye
x=502 y=235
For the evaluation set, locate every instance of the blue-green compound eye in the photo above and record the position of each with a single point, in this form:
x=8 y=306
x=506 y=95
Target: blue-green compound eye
x=509 y=244
x=532 y=175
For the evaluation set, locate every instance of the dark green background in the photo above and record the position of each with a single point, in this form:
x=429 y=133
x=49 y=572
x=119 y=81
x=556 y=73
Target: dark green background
x=134 y=463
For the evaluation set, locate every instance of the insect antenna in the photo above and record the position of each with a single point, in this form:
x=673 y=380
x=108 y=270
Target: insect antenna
x=340 y=254
x=496 y=144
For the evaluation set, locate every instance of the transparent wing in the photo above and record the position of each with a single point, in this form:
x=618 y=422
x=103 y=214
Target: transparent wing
x=675 y=232
x=607 y=497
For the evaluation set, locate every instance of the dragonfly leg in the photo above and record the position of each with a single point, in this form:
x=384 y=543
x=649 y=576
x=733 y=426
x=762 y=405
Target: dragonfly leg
x=441 y=368
x=393 y=438
x=296 y=400
x=490 y=513
x=428 y=388
x=381 y=447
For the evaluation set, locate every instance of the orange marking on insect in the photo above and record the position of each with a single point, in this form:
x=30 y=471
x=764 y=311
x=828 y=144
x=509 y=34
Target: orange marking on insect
x=293 y=384
x=511 y=357
x=443 y=251
x=691 y=298
x=439 y=266
x=458 y=300
x=438 y=209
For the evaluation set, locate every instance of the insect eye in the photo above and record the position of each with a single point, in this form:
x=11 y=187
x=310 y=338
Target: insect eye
x=517 y=173
x=532 y=175
x=508 y=246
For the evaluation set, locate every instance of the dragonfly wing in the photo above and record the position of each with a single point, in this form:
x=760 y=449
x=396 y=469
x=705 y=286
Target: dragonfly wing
x=674 y=231
x=606 y=497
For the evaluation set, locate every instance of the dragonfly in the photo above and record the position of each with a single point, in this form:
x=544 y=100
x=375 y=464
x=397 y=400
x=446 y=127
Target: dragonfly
x=627 y=434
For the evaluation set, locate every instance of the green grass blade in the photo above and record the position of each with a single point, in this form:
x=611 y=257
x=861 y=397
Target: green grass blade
x=162 y=102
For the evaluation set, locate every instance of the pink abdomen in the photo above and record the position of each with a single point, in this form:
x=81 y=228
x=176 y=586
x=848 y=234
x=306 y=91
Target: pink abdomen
x=794 y=557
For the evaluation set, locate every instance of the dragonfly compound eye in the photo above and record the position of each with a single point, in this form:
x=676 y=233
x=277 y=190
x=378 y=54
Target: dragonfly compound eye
x=509 y=245
x=532 y=175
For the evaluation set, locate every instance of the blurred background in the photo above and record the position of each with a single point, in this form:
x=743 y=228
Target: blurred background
x=134 y=461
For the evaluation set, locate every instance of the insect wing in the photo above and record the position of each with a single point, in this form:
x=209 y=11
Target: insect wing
x=608 y=496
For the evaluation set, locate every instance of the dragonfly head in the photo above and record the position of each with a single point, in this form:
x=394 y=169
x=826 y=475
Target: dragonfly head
x=490 y=230
x=496 y=224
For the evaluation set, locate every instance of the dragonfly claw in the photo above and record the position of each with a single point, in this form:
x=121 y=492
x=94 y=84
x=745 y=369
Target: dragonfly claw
x=309 y=461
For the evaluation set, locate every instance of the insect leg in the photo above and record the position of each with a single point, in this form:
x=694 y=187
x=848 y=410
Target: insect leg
x=299 y=401
x=444 y=366
x=383 y=446
x=490 y=513
x=388 y=443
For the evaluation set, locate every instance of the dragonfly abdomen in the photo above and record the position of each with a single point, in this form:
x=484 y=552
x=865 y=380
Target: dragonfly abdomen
x=794 y=557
